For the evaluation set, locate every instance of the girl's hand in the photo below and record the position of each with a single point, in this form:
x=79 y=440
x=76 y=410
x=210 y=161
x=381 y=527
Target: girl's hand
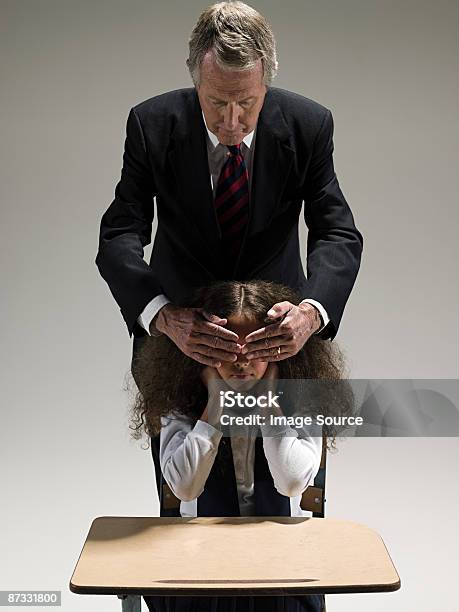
x=268 y=382
x=272 y=371
x=271 y=377
x=209 y=373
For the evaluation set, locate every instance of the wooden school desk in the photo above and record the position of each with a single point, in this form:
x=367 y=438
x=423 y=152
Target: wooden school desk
x=243 y=555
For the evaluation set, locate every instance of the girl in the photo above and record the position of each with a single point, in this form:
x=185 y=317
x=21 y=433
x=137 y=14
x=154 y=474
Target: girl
x=217 y=476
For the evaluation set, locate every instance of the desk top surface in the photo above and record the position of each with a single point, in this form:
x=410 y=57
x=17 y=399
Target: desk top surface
x=245 y=555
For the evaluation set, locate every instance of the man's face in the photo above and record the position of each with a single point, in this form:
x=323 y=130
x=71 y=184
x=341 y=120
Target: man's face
x=231 y=100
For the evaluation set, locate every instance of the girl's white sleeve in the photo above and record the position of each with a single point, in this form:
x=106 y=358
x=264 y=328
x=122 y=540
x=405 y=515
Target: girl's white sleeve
x=293 y=457
x=187 y=453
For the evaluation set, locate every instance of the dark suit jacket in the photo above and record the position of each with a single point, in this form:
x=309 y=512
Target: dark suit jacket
x=166 y=156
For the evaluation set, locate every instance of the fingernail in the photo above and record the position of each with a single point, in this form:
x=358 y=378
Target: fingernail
x=218 y=365
x=271 y=313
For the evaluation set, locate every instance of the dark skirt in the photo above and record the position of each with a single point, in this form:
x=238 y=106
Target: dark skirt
x=269 y=603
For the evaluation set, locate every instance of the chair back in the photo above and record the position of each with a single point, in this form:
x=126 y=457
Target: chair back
x=313 y=498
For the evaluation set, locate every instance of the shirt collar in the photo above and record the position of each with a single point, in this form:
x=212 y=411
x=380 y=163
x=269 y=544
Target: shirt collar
x=247 y=140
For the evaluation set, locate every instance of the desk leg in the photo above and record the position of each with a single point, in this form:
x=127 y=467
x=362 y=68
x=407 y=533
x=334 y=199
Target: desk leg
x=130 y=603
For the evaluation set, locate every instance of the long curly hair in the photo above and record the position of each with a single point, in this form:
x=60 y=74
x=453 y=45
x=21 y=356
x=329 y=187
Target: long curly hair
x=168 y=380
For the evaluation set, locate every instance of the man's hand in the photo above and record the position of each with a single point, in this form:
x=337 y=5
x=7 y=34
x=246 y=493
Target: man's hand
x=292 y=326
x=198 y=334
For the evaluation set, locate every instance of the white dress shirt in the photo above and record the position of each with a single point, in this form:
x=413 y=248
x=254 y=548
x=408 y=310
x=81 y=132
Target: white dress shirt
x=217 y=154
x=187 y=455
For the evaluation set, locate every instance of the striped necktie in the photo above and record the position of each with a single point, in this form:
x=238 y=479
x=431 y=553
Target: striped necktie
x=232 y=204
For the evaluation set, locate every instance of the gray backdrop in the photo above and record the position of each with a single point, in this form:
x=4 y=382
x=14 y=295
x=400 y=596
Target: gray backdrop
x=71 y=71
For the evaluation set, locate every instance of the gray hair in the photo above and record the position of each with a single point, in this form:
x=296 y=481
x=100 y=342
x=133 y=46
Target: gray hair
x=238 y=35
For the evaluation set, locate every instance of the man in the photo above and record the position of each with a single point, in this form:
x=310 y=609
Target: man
x=172 y=151
x=230 y=162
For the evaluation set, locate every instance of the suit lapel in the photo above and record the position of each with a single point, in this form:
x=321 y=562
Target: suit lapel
x=188 y=156
x=273 y=158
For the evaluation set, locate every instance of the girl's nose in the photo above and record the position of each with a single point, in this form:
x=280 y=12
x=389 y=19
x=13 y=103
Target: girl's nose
x=241 y=361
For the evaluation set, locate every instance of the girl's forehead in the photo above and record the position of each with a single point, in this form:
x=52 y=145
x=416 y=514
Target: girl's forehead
x=243 y=323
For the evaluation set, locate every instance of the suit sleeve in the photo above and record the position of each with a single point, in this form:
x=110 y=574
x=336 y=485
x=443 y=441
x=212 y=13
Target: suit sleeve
x=335 y=245
x=125 y=229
